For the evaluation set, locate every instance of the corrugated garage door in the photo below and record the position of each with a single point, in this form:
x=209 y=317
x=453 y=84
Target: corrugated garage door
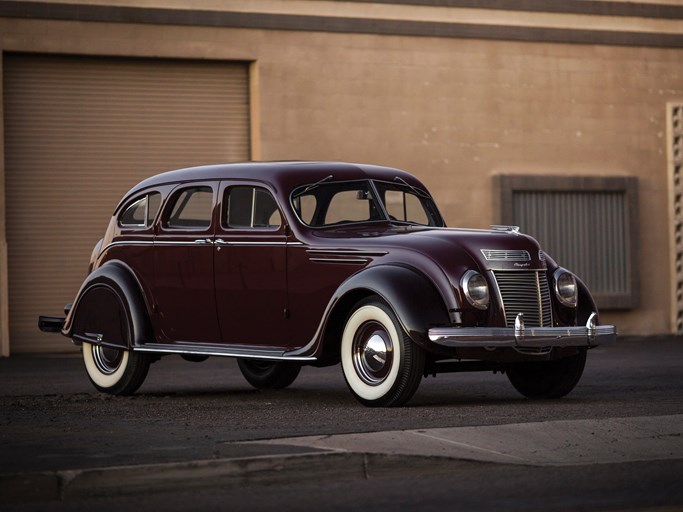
x=80 y=132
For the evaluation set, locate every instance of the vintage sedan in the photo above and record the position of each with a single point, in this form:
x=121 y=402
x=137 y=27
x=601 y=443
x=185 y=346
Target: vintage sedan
x=287 y=264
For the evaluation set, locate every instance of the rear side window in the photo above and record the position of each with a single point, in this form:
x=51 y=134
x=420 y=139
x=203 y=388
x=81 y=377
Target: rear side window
x=247 y=207
x=191 y=209
x=141 y=212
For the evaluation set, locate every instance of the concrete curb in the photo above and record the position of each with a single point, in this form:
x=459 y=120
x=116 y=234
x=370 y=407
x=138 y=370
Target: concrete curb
x=64 y=485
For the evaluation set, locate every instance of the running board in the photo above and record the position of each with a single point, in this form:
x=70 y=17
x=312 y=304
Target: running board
x=219 y=350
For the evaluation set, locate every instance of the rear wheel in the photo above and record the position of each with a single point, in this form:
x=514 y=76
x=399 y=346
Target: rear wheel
x=114 y=371
x=548 y=379
x=269 y=374
x=381 y=364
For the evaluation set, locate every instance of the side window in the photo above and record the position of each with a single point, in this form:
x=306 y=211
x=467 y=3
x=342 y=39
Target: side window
x=153 y=205
x=305 y=206
x=405 y=207
x=348 y=206
x=141 y=212
x=250 y=207
x=192 y=209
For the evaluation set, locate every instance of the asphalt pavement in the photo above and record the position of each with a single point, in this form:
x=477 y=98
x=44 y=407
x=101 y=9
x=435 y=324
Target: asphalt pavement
x=198 y=429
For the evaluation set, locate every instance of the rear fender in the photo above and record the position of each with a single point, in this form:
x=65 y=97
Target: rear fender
x=109 y=309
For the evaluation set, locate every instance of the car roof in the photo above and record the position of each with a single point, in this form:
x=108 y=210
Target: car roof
x=282 y=176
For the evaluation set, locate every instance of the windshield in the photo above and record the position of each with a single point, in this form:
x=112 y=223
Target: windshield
x=331 y=204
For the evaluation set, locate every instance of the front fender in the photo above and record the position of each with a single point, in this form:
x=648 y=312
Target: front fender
x=110 y=286
x=415 y=300
x=586 y=303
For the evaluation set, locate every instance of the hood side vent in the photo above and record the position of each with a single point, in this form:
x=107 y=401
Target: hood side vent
x=506 y=255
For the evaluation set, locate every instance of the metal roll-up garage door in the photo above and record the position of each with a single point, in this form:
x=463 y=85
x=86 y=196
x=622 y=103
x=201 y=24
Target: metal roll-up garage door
x=80 y=132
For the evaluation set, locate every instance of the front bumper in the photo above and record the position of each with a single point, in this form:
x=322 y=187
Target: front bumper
x=589 y=335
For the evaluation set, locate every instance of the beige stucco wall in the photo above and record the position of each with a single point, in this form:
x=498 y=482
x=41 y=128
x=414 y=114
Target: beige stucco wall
x=452 y=111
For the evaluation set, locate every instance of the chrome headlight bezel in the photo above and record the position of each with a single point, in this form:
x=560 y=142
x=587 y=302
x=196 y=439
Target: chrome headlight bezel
x=566 y=289
x=475 y=288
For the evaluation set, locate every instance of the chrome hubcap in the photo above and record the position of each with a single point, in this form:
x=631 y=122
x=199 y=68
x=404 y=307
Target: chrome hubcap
x=372 y=353
x=107 y=360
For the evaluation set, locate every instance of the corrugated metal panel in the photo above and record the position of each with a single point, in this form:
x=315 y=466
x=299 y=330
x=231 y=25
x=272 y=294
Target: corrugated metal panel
x=585 y=232
x=79 y=132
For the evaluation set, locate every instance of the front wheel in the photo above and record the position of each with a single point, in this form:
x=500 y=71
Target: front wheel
x=115 y=371
x=381 y=364
x=269 y=374
x=548 y=379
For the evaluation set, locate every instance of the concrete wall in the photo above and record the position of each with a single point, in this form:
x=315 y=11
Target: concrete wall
x=454 y=111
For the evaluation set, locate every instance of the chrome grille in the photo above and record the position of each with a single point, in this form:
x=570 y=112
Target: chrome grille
x=525 y=292
x=503 y=255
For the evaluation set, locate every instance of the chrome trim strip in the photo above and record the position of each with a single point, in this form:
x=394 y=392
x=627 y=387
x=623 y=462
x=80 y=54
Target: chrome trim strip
x=224 y=242
x=589 y=335
x=220 y=241
x=346 y=252
x=339 y=260
x=190 y=243
x=213 y=351
x=127 y=242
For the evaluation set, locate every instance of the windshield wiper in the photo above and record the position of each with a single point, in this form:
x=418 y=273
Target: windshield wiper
x=417 y=191
x=311 y=187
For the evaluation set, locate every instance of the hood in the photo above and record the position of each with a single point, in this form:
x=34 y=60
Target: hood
x=450 y=247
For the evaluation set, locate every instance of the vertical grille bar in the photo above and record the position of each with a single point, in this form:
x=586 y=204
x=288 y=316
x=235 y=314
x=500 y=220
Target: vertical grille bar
x=525 y=292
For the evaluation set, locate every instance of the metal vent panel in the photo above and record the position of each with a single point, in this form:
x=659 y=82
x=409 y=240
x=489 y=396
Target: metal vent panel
x=587 y=231
x=525 y=292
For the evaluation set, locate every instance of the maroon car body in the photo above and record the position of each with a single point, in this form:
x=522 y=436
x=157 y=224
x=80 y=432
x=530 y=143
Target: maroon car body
x=312 y=263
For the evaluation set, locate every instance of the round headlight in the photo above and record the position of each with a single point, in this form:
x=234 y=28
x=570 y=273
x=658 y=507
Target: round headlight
x=476 y=289
x=565 y=287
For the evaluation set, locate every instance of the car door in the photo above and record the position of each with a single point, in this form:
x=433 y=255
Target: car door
x=250 y=267
x=185 y=303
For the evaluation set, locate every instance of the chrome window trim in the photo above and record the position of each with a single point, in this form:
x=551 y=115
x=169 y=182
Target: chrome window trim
x=175 y=195
x=131 y=205
x=251 y=227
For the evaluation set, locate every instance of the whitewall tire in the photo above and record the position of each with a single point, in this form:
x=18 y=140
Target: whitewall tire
x=115 y=371
x=381 y=365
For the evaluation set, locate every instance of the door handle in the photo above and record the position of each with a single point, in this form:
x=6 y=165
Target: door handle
x=203 y=241
x=220 y=241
